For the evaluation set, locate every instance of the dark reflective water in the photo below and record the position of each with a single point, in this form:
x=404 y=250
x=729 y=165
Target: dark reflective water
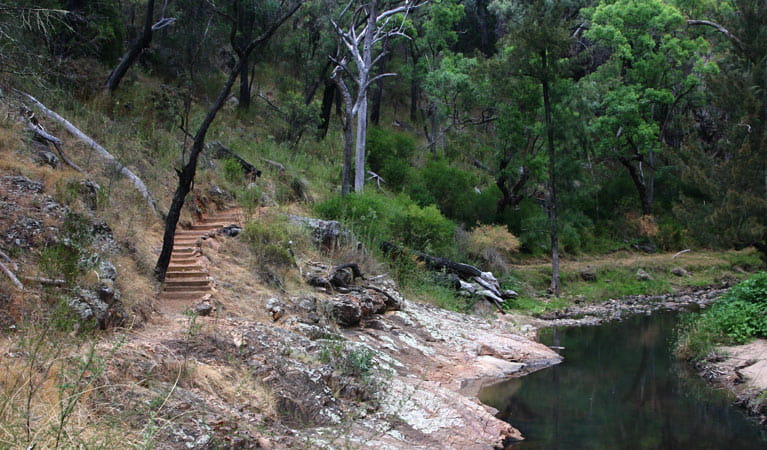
x=621 y=388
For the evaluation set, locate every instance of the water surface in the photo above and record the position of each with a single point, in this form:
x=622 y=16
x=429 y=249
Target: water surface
x=620 y=387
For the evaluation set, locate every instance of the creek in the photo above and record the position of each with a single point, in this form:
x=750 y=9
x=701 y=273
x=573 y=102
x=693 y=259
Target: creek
x=620 y=387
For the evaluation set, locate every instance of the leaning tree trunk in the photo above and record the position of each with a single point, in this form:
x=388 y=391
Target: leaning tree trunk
x=133 y=52
x=186 y=176
x=637 y=178
x=187 y=173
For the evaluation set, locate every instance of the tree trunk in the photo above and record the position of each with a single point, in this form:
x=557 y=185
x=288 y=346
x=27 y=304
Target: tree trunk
x=133 y=52
x=362 y=124
x=636 y=177
x=244 y=97
x=328 y=96
x=552 y=200
x=375 y=109
x=187 y=173
x=348 y=119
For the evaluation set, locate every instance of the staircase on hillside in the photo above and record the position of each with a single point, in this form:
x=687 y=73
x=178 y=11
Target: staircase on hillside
x=186 y=277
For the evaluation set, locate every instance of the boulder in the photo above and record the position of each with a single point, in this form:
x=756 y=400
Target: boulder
x=680 y=272
x=642 y=275
x=346 y=312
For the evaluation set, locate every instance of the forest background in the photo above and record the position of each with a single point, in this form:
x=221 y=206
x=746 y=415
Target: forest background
x=480 y=127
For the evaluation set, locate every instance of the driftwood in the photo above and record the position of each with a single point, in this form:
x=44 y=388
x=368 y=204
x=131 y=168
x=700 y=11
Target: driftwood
x=39 y=131
x=222 y=151
x=471 y=279
x=137 y=183
x=12 y=277
x=680 y=253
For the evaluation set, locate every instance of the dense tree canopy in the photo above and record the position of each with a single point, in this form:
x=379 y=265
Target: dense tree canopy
x=648 y=117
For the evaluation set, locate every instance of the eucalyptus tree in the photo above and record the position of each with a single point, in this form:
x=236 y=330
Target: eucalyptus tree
x=362 y=27
x=652 y=69
x=538 y=44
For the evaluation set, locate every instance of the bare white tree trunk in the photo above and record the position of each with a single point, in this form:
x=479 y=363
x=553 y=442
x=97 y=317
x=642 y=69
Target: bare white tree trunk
x=359 y=156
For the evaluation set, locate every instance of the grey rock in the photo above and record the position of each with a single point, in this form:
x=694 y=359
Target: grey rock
x=107 y=271
x=203 y=309
x=680 y=272
x=23 y=183
x=346 y=312
x=589 y=274
x=89 y=191
x=231 y=230
x=642 y=275
x=327 y=234
x=47 y=158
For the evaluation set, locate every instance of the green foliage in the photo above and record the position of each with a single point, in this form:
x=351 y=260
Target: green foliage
x=423 y=228
x=388 y=154
x=739 y=316
x=450 y=188
x=356 y=361
x=69 y=257
x=232 y=171
x=375 y=218
x=269 y=239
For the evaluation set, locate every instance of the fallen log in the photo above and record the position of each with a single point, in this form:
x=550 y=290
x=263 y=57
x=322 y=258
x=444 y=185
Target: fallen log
x=488 y=284
x=46 y=281
x=11 y=276
x=221 y=151
x=39 y=131
x=135 y=180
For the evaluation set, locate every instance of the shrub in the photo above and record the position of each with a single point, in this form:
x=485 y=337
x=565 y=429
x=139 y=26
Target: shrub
x=496 y=237
x=388 y=154
x=739 y=316
x=423 y=228
x=270 y=241
x=232 y=171
x=450 y=188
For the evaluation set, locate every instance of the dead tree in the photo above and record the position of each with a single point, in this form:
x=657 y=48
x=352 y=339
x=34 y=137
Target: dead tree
x=187 y=173
x=367 y=27
x=141 y=44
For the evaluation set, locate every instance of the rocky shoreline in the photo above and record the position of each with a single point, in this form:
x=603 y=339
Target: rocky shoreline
x=591 y=314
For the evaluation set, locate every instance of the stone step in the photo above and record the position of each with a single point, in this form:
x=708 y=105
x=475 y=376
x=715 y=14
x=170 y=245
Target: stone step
x=183 y=295
x=183 y=249
x=185 y=260
x=188 y=233
x=186 y=274
x=187 y=288
x=188 y=282
x=184 y=267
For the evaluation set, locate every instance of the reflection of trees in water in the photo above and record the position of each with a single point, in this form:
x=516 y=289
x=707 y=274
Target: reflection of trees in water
x=619 y=387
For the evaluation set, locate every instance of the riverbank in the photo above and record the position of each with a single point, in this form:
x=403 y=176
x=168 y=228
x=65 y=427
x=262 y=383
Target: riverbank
x=741 y=369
